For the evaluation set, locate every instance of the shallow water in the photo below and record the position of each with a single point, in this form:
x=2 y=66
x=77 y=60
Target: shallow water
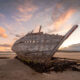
x=71 y=55
x=7 y=55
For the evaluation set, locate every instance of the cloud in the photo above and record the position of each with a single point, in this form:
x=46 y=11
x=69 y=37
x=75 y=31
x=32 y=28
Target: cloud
x=1 y=15
x=19 y=35
x=23 y=17
x=25 y=11
x=63 y=18
x=8 y=26
x=59 y=22
x=2 y=18
x=3 y=33
x=63 y=14
x=5 y=45
x=29 y=7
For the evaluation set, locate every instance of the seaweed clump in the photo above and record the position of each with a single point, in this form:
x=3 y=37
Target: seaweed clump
x=56 y=64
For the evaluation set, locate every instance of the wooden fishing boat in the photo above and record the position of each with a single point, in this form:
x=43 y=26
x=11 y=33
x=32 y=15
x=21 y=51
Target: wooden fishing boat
x=39 y=47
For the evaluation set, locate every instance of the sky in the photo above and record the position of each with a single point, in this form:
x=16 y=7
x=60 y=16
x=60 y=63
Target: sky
x=18 y=17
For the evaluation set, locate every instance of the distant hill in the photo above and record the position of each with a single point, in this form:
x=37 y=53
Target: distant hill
x=74 y=47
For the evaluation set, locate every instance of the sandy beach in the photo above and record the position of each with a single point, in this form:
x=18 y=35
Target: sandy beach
x=13 y=69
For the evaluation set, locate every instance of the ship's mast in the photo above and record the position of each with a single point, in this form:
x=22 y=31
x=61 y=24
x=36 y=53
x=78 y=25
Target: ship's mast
x=40 y=28
x=64 y=38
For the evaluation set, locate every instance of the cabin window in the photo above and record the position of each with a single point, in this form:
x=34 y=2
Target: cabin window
x=30 y=41
x=21 y=42
x=47 y=41
x=42 y=41
x=25 y=41
x=37 y=41
x=33 y=41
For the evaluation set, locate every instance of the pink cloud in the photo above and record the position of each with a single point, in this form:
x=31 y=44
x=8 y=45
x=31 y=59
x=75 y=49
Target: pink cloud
x=1 y=15
x=24 y=9
x=25 y=12
x=58 y=24
x=27 y=7
x=23 y=17
x=3 y=33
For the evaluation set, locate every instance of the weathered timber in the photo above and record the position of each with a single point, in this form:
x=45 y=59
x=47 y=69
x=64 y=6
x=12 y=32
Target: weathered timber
x=39 y=47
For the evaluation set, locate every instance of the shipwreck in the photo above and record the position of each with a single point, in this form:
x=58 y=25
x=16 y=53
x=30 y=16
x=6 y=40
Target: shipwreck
x=39 y=47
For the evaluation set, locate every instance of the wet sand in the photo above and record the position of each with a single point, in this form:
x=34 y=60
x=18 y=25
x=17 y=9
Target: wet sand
x=13 y=69
x=7 y=55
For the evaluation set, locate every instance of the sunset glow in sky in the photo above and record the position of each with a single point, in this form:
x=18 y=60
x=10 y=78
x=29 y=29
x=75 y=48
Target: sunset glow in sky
x=18 y=17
